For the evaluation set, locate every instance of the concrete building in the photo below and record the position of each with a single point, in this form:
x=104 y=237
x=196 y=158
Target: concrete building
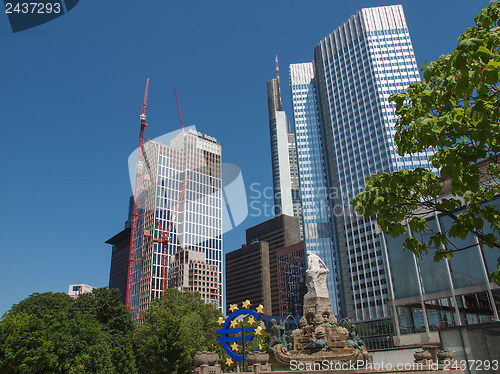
x=119 y=261
x=252 y=271
x=354 y=71
x=283 y=156
x=279 y=232
x=291 y=263
x=76 y=290
x=190 y=271
x=248 y=276
x=190 y=163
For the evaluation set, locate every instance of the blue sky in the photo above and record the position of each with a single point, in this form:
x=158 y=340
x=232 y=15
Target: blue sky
x=71 y=94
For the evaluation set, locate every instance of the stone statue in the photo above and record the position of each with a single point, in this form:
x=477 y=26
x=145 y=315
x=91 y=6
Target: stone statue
x=319 y=341
x=319 y=337
x=316 y=274
x=275 y=331
x=354 y=340
x=314 y=262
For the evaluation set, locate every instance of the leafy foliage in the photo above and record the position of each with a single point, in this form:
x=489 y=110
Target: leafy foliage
x=173 y=329
x=455 y=112
x=52 y=333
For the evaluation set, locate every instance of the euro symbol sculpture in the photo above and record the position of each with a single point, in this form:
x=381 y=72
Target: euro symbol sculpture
x=224 y=331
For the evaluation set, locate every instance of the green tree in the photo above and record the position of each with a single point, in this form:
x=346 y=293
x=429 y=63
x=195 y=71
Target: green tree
x=104 y=306
x=454 y=111
x=52 y=333
x=173 y=329
x=46 y=333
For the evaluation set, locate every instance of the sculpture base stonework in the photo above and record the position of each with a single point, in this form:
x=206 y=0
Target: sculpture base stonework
x=206 y=363
x=319 y=338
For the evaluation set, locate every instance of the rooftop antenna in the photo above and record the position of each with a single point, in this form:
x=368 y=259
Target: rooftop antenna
x=278 y=78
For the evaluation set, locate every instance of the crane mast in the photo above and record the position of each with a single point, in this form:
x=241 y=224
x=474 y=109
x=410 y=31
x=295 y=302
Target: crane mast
x=179 y=109
x=135 y=213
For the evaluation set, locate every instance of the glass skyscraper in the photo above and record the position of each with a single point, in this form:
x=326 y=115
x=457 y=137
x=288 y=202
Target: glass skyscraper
x=283 y=156
x=355 y=69
x=191 y=164
x=319 y=234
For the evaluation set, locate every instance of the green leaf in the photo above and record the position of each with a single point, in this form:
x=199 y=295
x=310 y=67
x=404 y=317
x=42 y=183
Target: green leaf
x=483 y=49
x=491 y=76
x=493 y=63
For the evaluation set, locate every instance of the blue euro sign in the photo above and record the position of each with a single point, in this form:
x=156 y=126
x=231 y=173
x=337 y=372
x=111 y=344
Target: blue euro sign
x=224 y=339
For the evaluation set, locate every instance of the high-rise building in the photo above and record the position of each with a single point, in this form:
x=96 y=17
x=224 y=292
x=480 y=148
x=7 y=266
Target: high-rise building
x=290 y=264
x=355 y=70
x=119 y=261
x=279 y=232
x=283 y=156
x=272 y=260
x=248 y=276
x=317 y=217
x=181 y=188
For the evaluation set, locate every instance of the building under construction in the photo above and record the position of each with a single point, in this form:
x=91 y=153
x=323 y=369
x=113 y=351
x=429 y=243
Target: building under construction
x=184 y=196
x=177 y=216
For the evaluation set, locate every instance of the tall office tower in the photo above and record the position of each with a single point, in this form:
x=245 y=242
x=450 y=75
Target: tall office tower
x=290 y=264
x=255 y=285
x=280 y=232
x=119 y=255
x=356 y=68
x=182 y=184
x=284 y=156
x=319 y=233
x=119 y=261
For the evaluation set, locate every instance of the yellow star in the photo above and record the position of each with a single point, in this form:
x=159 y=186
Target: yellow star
x=260 y=309
x=246 y=304
x=258 y=330
x=221 y=321
x=229 y=361
x=251 y=320
x=234 y=323
x=233 y=307
x=234 y=346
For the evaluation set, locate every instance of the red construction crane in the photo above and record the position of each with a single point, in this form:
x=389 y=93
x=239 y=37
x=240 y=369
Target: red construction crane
x=165 y=235
x=179 y=109
x=135 y=213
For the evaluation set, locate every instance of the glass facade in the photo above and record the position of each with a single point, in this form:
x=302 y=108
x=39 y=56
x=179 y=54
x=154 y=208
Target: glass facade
x=429 y=295
x=319 y=234
x=284 y=157
x=290 y=262
x=358 y=66
x=342 y=116
x=182 y=189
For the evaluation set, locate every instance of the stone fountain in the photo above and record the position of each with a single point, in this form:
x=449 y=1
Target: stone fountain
x=319 y=337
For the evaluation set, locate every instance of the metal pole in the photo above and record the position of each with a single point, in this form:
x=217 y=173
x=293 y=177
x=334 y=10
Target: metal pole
x=244 y=349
